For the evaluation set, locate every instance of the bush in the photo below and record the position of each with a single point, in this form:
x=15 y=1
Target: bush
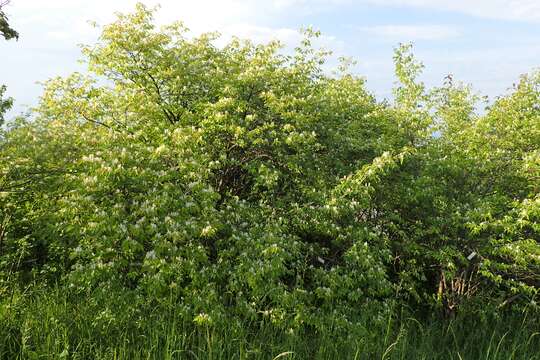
x=241 y=184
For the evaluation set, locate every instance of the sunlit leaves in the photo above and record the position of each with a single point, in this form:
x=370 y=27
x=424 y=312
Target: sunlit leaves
x=242 y=181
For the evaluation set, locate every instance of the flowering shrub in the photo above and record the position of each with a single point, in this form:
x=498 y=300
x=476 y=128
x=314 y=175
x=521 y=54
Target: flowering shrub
x=241 y=182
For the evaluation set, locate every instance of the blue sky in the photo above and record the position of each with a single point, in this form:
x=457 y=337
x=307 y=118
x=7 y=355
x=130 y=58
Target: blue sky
x=487 y=43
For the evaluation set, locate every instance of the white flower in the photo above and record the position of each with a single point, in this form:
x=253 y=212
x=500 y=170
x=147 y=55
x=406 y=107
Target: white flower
x=207 y=231
x=162 y=149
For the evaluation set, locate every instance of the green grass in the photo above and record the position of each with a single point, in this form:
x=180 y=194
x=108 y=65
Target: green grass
x=55 y=326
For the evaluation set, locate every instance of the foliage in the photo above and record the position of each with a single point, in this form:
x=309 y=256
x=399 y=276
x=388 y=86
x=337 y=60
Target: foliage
x=5 y=29
x=5 y=104
x=243 y=185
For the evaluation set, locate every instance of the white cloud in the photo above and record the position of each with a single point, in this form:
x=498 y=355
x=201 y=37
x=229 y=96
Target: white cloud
x=290 y=38
x=63 y=20
x=313 y=5
x=520 y=10
x=201 y=15
x=412 y=32
x=63 y=24
x=517 y=10
x=261 y=34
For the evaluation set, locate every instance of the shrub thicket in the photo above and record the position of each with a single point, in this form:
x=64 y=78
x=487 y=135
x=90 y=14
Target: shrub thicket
x=242 y=184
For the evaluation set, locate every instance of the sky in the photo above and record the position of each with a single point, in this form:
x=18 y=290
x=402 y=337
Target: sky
x=486 y=43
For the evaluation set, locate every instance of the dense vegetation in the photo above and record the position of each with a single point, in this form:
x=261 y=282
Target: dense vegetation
x=184 y=200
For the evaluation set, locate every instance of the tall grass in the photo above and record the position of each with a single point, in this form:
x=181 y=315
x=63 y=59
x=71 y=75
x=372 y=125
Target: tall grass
x=53 y=325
